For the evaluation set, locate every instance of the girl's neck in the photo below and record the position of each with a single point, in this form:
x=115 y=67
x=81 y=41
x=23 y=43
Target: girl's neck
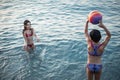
x=28 y=29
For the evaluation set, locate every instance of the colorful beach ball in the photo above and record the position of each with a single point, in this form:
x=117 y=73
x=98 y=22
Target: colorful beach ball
x=94 y=17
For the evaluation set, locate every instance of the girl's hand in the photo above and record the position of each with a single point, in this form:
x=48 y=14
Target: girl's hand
x=101 y=25
x=87 y=20
x=38 y=40
x=25 y=47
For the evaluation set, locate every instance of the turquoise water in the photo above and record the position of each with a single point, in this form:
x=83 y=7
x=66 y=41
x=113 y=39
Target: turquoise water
x=61 y=53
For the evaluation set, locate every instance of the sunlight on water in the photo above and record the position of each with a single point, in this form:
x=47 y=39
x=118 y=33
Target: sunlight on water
x=61 y=53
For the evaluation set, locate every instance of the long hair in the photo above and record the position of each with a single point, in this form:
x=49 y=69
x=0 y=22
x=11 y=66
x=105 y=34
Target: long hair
x=25 y=24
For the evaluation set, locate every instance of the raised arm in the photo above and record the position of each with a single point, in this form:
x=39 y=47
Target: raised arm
x=86 y=32
x=108 y=35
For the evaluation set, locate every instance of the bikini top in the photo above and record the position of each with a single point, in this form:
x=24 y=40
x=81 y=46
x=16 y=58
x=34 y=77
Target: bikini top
x=28 y=35
x=95 y=48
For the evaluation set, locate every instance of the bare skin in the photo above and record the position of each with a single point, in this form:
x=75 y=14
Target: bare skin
x=29 y=40
x=95 y=59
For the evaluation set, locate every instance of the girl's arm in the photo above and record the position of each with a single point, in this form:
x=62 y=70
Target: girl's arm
x=108 y=35
x=34 y=34
x=25 y=37
x=86 y=32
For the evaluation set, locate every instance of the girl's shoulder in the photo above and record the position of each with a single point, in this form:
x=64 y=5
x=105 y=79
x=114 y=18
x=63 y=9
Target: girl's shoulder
x=24 y=31
x=92 y=44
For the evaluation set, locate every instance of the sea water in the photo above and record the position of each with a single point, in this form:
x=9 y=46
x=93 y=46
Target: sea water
x=61 y=53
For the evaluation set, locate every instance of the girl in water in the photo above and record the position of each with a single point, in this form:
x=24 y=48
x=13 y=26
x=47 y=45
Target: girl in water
x=95 y=50
x=28 y=34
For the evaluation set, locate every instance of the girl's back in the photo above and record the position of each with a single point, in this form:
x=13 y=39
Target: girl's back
x=95 y=52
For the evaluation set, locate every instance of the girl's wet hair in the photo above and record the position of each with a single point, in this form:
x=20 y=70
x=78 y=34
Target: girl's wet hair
x=95 y=35
x=26 y=22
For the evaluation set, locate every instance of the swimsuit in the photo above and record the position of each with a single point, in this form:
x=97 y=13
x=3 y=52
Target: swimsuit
x=30 y=45
x=95 y=48
x=29 y=35
x=94 y=67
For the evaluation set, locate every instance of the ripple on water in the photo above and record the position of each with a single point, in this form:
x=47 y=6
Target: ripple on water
x=62 y=52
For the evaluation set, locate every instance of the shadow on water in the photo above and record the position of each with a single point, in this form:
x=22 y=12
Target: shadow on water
x=63 y=54
x=34 y=60
x=16 y=64
x=64 y=59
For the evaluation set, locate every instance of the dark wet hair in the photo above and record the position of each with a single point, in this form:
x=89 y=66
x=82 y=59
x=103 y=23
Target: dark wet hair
x=25 y=23
x=95 y=35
